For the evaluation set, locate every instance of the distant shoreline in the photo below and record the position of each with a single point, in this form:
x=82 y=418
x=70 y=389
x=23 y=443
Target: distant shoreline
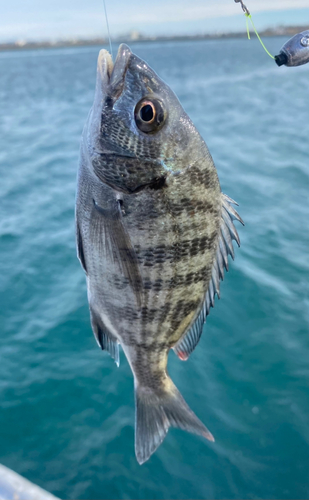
x=136 y=37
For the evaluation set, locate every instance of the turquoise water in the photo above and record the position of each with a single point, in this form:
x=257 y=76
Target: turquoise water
x=67 y=412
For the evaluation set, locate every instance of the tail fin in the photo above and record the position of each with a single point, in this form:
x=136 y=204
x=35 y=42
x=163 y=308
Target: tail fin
x=155 y=413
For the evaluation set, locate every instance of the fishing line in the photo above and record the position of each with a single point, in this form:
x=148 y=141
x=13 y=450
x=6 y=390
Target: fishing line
x=248 y=16
x=109 y=36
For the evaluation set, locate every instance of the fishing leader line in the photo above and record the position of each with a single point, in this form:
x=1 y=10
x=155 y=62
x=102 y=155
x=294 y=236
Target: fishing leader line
x=108 y=32
x=248 y=16
x=295 y=52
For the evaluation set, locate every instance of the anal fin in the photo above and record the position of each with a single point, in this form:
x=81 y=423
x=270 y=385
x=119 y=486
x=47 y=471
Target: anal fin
x=105 y=340
x=80 y=248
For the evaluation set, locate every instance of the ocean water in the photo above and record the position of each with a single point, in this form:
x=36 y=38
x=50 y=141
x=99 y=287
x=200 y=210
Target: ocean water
x=67 y=412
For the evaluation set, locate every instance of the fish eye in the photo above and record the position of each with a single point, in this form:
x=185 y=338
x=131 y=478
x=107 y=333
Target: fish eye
x=305 y=41
x=149 y=115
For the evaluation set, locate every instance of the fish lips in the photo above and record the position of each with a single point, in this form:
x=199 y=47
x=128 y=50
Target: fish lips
x=109 y=85
x=111 y=77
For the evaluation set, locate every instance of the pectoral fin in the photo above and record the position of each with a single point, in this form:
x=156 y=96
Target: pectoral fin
x=116 y=244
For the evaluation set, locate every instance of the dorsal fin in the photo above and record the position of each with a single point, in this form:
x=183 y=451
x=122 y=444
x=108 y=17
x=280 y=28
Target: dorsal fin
x=186 y=345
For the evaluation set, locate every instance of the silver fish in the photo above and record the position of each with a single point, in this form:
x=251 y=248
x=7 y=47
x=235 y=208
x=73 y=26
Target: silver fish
x=153 y=234
x=295 y=51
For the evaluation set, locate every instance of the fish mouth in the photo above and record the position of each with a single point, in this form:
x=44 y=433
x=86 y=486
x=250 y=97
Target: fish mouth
x=109 y=86
x=112 y=75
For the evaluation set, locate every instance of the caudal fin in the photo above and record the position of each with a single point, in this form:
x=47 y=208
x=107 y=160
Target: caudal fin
x=155 y=413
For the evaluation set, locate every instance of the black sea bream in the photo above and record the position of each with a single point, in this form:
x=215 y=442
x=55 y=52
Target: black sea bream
x=153 y=233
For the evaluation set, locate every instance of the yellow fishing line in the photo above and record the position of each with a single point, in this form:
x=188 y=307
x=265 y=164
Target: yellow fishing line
x=247 y=24
x=249 y=16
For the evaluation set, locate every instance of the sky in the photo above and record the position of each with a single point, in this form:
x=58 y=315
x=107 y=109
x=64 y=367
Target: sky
x=62 y=19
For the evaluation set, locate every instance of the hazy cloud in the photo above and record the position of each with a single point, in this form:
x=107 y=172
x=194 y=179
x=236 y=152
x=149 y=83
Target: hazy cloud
x=69 y=18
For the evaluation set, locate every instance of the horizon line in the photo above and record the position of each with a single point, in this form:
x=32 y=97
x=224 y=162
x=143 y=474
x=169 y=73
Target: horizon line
x=134 y=36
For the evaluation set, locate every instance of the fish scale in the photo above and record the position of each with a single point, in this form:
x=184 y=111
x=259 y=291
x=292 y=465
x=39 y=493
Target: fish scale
x=153 y=235
x=180 y=262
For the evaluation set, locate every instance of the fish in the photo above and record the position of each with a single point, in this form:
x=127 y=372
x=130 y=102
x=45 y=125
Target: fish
x=295 y=51
x=153 y=232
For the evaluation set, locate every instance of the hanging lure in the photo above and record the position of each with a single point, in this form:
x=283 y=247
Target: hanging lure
x=294 y=52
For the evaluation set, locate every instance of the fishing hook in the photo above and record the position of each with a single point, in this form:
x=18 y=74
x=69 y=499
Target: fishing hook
x=244 y=8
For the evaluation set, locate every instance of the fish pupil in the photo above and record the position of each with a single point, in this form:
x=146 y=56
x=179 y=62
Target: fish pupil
x=149 y=115
x=146 y=113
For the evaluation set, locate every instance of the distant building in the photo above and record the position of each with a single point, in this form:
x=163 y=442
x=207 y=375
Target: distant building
x=20 y=43
x=135 y=35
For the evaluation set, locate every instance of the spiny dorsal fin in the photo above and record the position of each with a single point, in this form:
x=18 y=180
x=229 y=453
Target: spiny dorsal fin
x=186 y=345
